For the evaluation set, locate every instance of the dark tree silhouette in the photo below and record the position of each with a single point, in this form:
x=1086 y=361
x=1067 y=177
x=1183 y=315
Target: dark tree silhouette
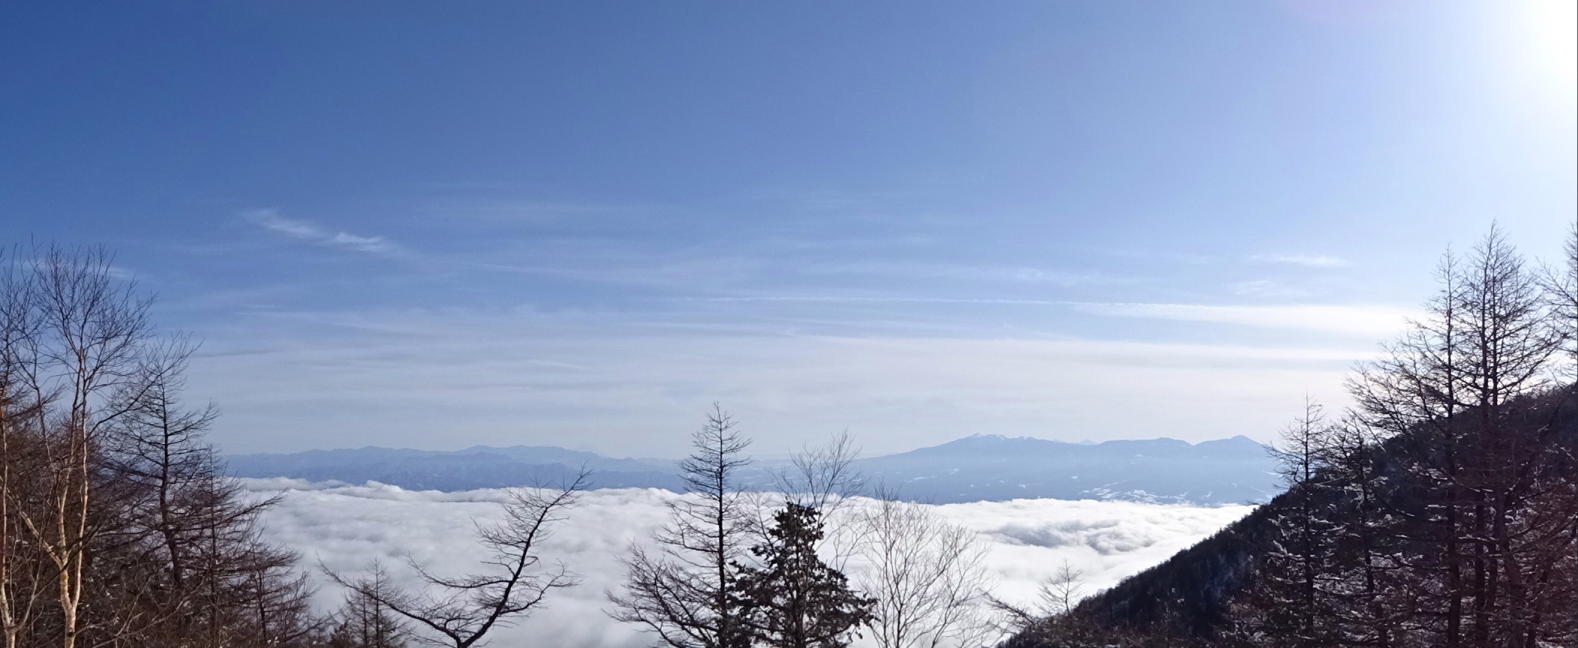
x=1441 y=510
x=684 y=592
x=365 y=622
x=117 y=525
x=460 y=611
x=793 y=599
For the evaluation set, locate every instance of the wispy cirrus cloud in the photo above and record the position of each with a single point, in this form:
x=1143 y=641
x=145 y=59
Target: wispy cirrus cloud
x=1266 y=288
x=1306 y=260
x=1367 y=320
x=983 y=273
x=880 y=299
x=310 y=232
x=289 y=379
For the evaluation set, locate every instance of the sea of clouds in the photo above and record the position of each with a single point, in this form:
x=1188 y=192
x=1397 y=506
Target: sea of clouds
x=343 y=527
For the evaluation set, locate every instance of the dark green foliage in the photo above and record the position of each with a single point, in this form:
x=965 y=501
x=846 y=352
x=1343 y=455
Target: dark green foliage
x=793 y=599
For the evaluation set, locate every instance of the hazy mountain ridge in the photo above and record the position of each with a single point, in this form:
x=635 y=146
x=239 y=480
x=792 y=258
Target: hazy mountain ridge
x=973 y=468
x=1160 y=470
x=456 y=470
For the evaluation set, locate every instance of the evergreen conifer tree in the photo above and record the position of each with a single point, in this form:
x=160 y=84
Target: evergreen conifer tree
x=793 y=599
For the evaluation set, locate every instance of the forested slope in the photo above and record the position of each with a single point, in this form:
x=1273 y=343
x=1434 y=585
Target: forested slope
x=1441 y=509
x=1203 y=593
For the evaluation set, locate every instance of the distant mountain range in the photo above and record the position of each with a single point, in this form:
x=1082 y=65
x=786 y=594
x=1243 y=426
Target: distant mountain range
x=989 y=467
x=974 y=468
x=457 y=470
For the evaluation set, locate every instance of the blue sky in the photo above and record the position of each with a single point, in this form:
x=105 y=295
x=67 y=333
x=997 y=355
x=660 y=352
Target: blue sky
x=439 y=224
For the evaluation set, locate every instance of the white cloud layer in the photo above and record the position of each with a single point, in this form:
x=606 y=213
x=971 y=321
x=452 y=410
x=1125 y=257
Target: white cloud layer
x=346 y=526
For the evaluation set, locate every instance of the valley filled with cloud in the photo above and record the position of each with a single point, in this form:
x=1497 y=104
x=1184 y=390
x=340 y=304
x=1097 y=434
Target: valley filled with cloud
x=343 y=527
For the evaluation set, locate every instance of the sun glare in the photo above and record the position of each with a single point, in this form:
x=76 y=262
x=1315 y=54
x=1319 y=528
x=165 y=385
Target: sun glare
x=1552 y=28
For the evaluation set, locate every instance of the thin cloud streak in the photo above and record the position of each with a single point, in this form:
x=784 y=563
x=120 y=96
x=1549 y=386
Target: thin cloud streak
x=302 y=230
x=1266 y=288
x=1306 y=260
x=878 y=299
x=985 y=273
x=1370 y=320
x=1373 y=321
x=523 y=376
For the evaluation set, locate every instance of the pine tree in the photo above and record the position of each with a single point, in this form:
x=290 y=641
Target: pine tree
x=793 y=599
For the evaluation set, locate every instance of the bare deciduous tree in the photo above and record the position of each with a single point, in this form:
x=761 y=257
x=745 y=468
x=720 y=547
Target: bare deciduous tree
x=1412 y=391
x=1298 y=564
x=1062 y=590
x=683 y=593
x=1507 y=344
x=821 y=477
x=1053 y=618
x=1561 y=288
x=365 y=622
x=179 y=517
x=22 y=581
x=89 y=328
x=460 y=611
x=117 y=526
x=157 y=450
x=1366 y=610
x=1467 y=391
x=926 y=575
